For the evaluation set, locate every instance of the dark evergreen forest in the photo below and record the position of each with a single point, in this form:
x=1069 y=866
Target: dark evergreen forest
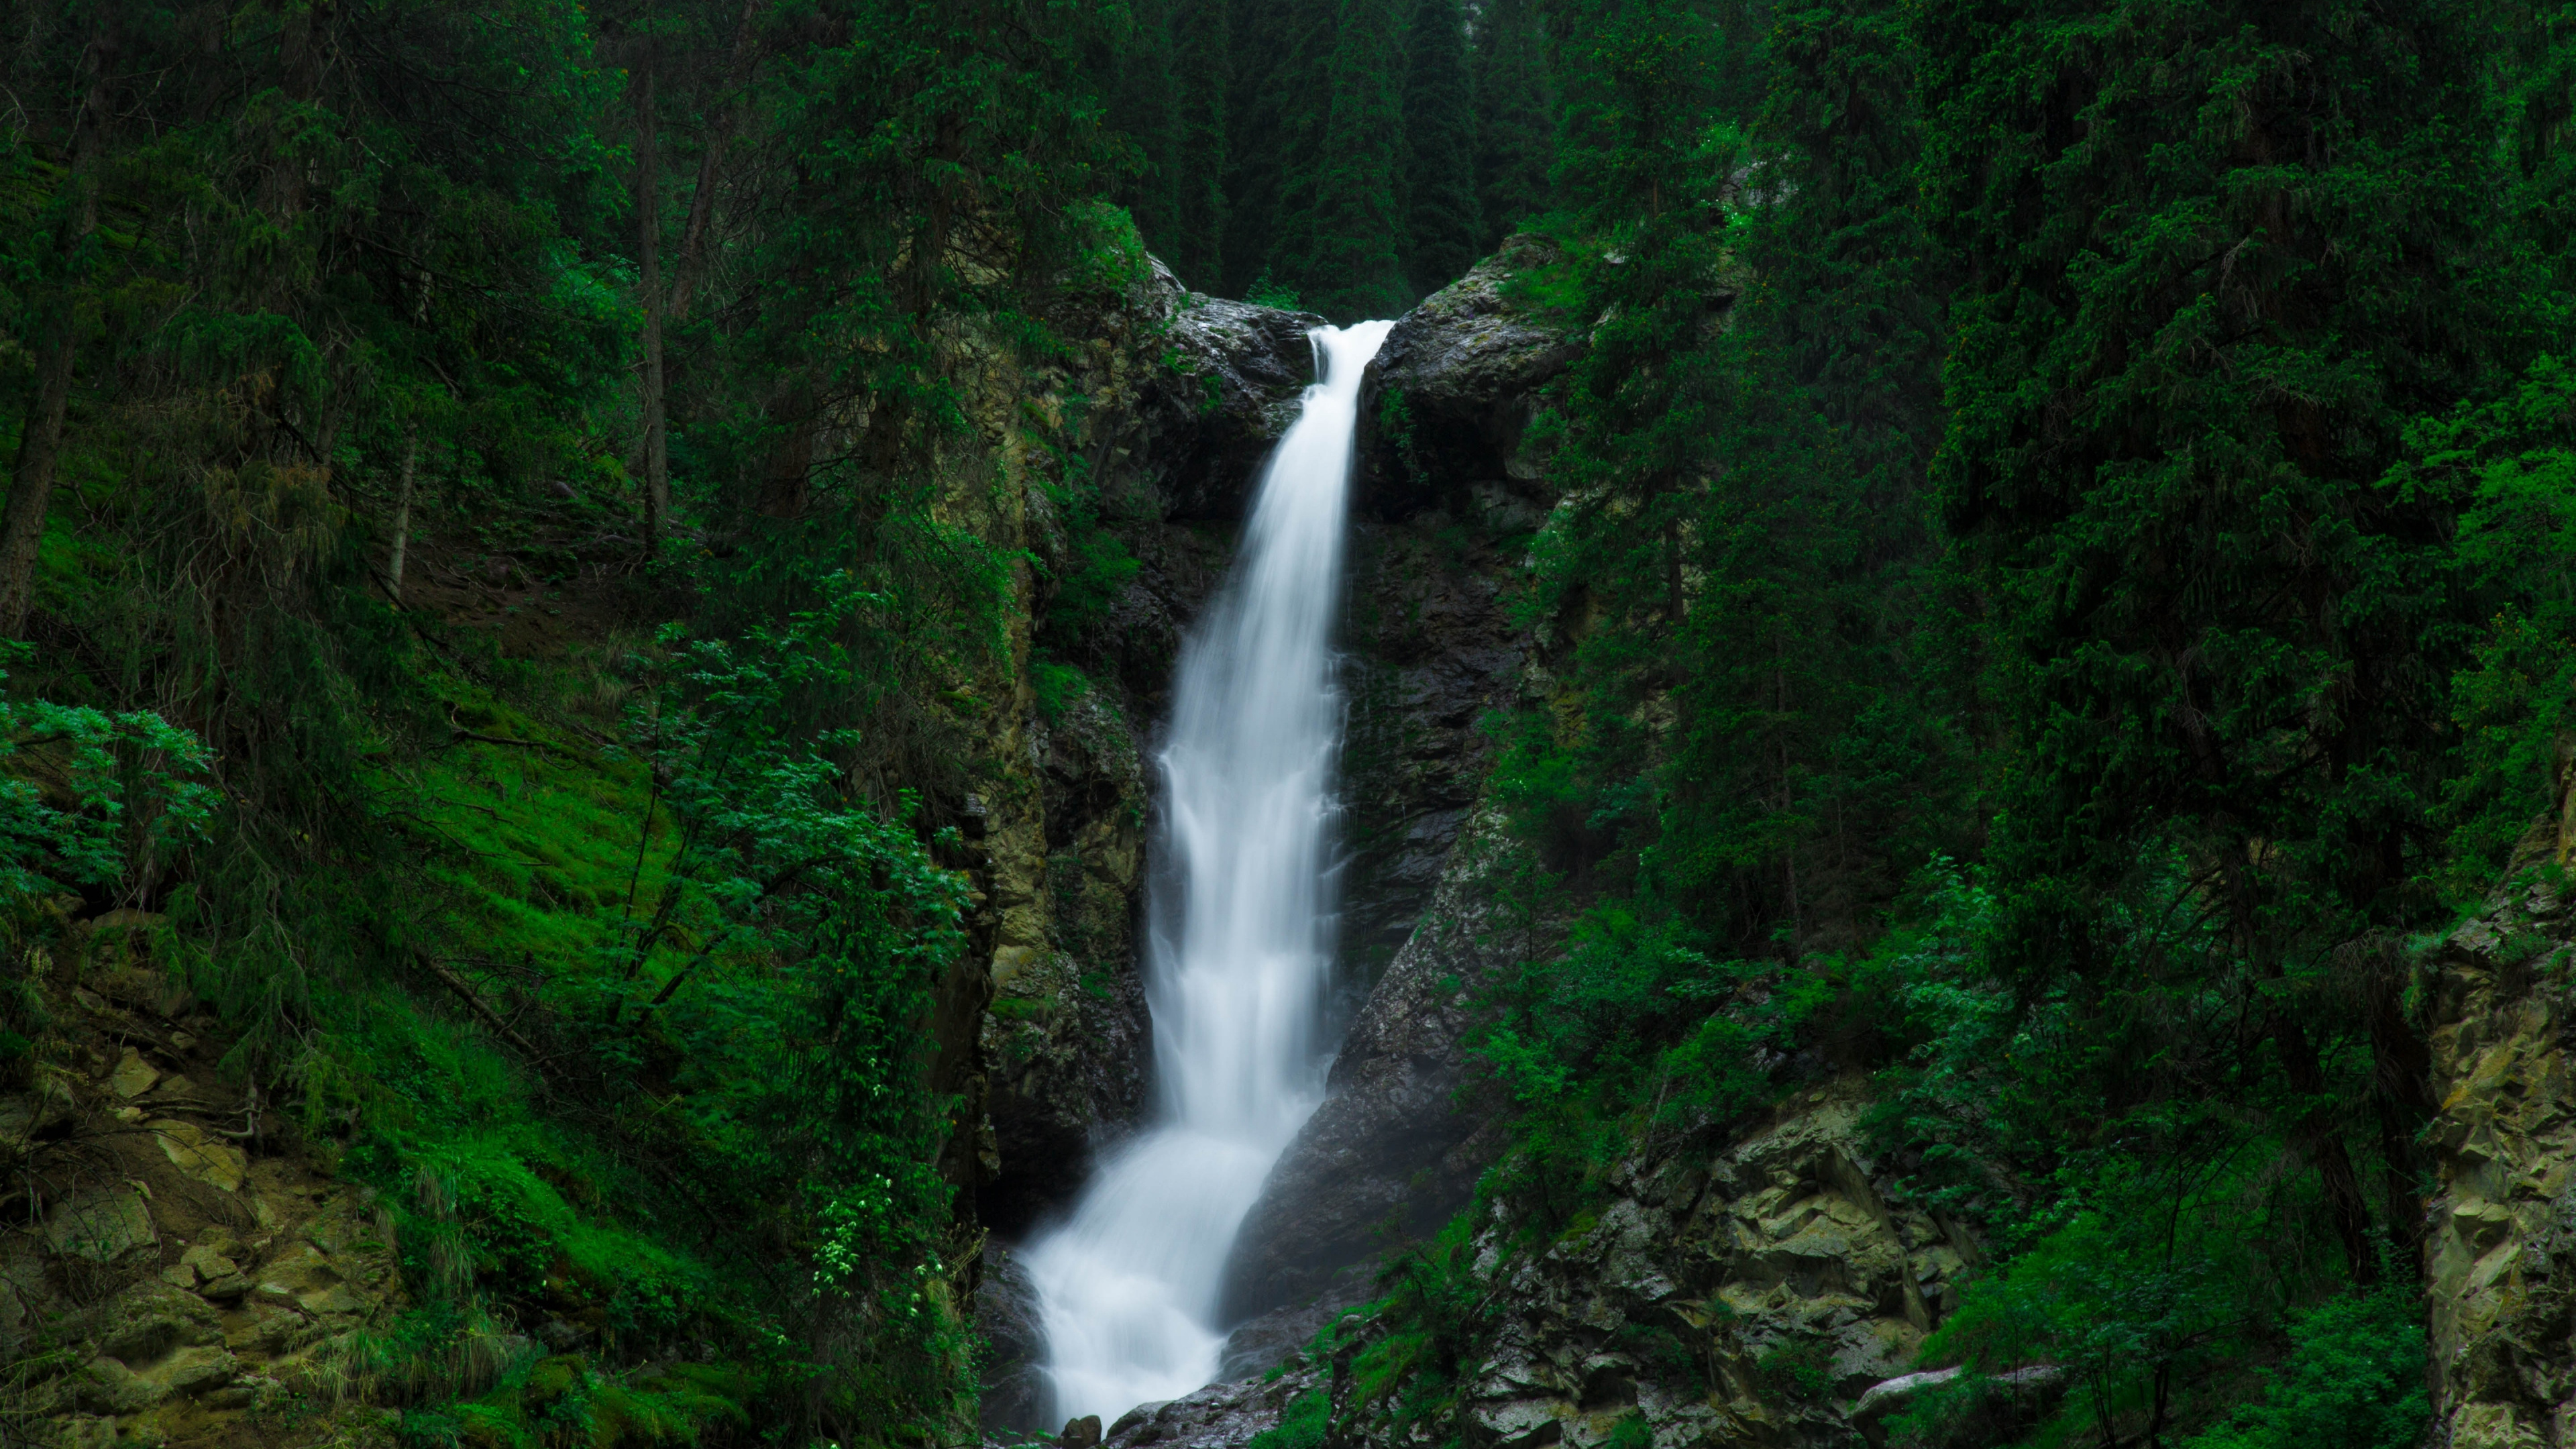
x=2072 y=505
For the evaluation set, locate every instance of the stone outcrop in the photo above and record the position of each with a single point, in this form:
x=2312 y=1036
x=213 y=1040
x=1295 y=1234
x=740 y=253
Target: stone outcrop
x=2500 y=1235
x=1391 y=1152
x=1164 y=410
x=1066 y=1036
x=1451 y=396
x=1430 y=651
x=1220 y=1416
x=164 y=1282
x=1006 y=1314
x=1747 y=1293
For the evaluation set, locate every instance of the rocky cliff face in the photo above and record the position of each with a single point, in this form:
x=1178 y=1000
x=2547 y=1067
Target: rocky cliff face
x=1747 y=1291
x=1169 y=405
x=171 y=1278
x=1758 y=1288
x=2500 y=1235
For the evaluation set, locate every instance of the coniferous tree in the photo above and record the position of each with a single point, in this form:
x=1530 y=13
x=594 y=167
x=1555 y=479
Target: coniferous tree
x=1279 y=102
x=1515 y=116
x=1442 y=230
x=2217 y=258
x=1193 y=241
x=1144 y=98
x=1340 y=224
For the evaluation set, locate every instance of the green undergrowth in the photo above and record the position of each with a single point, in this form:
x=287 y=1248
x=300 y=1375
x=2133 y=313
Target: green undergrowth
x=638 y=1080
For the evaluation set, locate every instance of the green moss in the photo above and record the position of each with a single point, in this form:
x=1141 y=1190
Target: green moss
x=1057 y=686
x=1303 y=1426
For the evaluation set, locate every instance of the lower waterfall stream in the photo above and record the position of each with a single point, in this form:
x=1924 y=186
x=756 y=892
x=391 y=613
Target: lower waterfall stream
x=1238 y=948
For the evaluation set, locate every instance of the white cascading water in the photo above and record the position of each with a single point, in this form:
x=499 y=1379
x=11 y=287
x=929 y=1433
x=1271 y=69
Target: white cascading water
x=1237 y=957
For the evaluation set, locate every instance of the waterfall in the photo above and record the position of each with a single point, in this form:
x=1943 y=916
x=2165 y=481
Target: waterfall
x=1238 y=946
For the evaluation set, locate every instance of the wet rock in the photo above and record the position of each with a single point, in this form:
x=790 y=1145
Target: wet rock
x=1082 y=1433
x=1391 y=1147
x=1453 y=391
x=1220 y=1416
x=1430 y=650
x=1261 y=1344
x=2008 y=1406
x=1015 y=1392
x=1238 y=378
x=1066 y=1038
x=1447 y=492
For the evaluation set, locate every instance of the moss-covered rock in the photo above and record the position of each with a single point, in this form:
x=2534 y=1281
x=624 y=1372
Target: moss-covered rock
x=2500 y=1235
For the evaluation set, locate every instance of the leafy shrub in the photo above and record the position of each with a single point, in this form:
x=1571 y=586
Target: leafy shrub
x=2354 y=1379
x=1057 y=686
x=1267 y=293
x=122 y=786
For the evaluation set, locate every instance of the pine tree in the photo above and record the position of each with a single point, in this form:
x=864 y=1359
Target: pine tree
x=1339 y=227
x=1442 y=230
x=1279 y=103
x=1145 y=107
x=1515 y=117
x=1193 y=243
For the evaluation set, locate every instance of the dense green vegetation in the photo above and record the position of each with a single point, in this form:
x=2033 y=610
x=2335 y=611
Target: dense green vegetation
x=2066 y=575
x=2065 y=581
x=1350 y=154
x=473 y=515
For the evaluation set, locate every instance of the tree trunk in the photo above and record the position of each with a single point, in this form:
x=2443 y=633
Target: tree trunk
x=702 y=201
x=2325 y=1145
x=648 y=256
x=402 y=513
x=40 y=441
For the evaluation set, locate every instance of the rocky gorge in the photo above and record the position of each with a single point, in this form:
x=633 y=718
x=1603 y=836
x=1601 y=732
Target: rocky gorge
x=1765 y=1282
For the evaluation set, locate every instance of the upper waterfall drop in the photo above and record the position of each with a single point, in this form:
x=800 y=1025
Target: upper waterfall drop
x=1238 y=949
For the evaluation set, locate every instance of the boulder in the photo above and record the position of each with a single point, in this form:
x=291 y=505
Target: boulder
x=1452 y=393
x=1392 y=1147
x=1261 y=1344
x=149 y=1321
x=104 y=1227
x=105 y=1386
x=1220 y=1416
x=1237 y=380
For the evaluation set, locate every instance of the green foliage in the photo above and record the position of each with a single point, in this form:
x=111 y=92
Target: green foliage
x=2179 y=458
x=2353 y=1376
x=1265 y=292
x=1798 y=1368
x=1303 y=1425
x=1057 y=687
x=2518 y=455
x=124 y=787
x=1515 y=117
